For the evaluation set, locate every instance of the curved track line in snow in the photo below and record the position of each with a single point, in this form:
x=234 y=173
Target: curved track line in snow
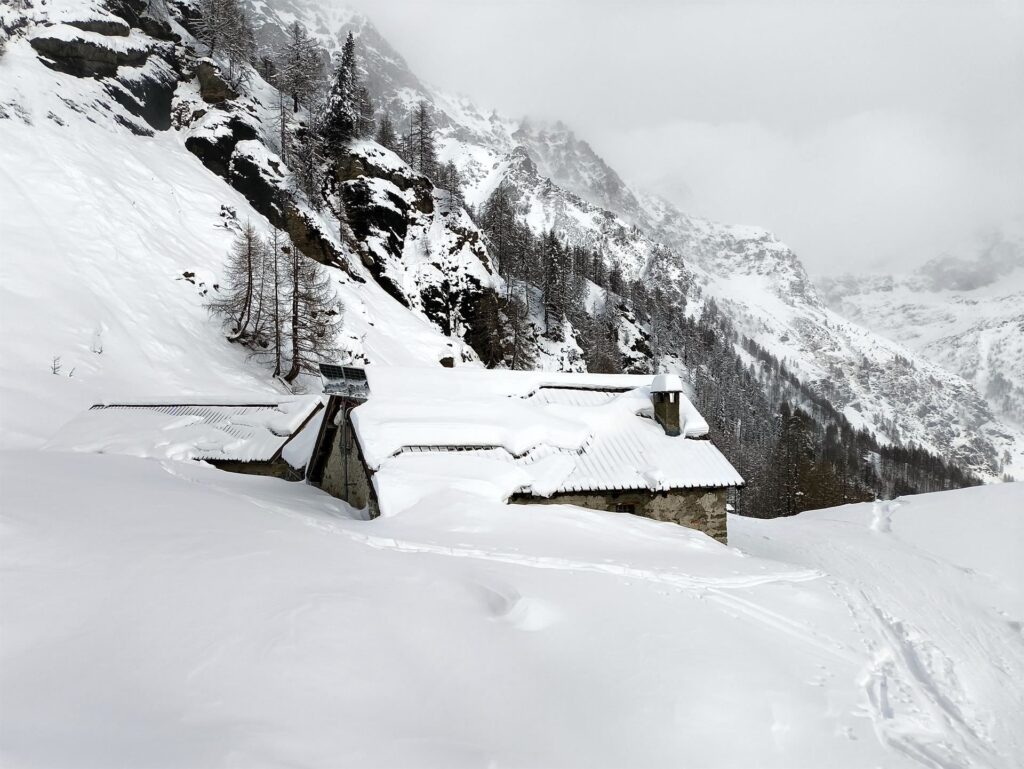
x=914 y=698
x=567 y=564
x=929 y=726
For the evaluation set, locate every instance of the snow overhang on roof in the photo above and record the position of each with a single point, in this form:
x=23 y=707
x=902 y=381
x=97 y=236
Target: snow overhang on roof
x=562 y=432
x=211 y=429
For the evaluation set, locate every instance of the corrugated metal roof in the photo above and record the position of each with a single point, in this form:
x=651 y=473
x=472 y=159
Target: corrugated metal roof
x=564 y=396
x=628 y=457
x=641 y=456
x=251 y=432
x=565 y=432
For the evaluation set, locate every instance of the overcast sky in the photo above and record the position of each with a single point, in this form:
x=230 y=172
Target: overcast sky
x=865 y=134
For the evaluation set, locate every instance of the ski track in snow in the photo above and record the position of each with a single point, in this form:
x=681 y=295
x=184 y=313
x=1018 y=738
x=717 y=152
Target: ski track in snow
x=857 y=637
x=913 y=694
x=715 y=590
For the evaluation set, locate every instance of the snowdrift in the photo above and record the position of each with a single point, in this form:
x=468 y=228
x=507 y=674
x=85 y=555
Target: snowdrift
x=160 y=613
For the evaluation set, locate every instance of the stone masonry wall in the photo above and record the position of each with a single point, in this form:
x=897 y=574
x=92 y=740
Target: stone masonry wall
x=701 y=509
x=359 y=493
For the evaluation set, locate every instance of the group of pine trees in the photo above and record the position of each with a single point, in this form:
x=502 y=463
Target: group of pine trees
x=278 y=303
x=550 y=279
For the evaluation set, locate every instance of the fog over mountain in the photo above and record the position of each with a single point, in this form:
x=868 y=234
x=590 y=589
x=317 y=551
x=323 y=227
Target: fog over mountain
x=870 y=136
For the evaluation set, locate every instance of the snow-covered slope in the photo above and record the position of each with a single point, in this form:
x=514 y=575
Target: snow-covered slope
x=164 y=613
x=113 y=238
x=965 y=315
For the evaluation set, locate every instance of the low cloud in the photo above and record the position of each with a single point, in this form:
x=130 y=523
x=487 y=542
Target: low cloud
x=865 y=133
x=874 y=191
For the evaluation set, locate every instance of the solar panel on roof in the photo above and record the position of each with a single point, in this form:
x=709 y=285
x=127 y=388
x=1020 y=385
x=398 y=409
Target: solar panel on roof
x=332 y=371
x=356 y=374
x=344 y=380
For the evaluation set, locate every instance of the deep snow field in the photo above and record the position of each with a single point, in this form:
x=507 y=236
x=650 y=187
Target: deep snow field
x=166 y=614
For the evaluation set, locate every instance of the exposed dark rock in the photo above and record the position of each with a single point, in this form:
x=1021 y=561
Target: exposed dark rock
x=136 y=128
x=129 y=10
x=215 y=152
x=366 y=216
x=212 y=87
x=126 y=99
x=85 y=58
x=520 y=157
x=264 y=194
x=159 y=29
x=150 y=94
x=113 y=27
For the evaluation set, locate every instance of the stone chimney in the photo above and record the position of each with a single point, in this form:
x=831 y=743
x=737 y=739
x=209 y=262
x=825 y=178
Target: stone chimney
x=667 y=392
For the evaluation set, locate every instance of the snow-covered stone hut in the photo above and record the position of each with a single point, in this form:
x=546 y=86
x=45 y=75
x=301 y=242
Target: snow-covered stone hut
x=268 y=436
x=620 y=443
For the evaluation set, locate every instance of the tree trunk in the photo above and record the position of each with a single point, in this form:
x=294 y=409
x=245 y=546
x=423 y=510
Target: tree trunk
x=293 y=372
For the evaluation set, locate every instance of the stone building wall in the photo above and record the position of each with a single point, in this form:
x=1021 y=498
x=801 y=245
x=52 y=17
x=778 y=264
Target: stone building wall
x=359 y=493
x=701 y=509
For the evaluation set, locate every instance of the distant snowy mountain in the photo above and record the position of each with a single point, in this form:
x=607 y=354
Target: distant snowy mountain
x=967 y=315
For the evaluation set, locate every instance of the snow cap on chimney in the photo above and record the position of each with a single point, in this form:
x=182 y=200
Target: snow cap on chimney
x=667 y=383
x=666 y=393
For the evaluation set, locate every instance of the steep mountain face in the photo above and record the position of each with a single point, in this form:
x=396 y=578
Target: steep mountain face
x=967 y=315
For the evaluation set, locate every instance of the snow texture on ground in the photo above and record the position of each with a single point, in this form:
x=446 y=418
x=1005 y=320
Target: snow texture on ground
x=162 y=613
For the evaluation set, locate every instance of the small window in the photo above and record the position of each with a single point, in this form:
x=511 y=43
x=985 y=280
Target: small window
x=621 y=508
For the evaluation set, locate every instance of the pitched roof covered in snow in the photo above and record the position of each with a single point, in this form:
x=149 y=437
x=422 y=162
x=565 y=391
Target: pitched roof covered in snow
x=554 y=432
x=189 y=428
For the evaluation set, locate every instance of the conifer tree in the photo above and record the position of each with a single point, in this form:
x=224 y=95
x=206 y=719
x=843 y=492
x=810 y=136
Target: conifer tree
x=269 y=331
x=450 y=180
x=558 y=288
x=498 y=220
x=365 y=121
x=314 y=315
x=298 y=66
x=600 y=340
x=386 y=136
x=240 y=285
x=342 y=120
x=308 y=155
x=520 y=342
x=616 y=284
x=420 y=149
x=240 y=47
x=225 y=29
x=214 y=24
